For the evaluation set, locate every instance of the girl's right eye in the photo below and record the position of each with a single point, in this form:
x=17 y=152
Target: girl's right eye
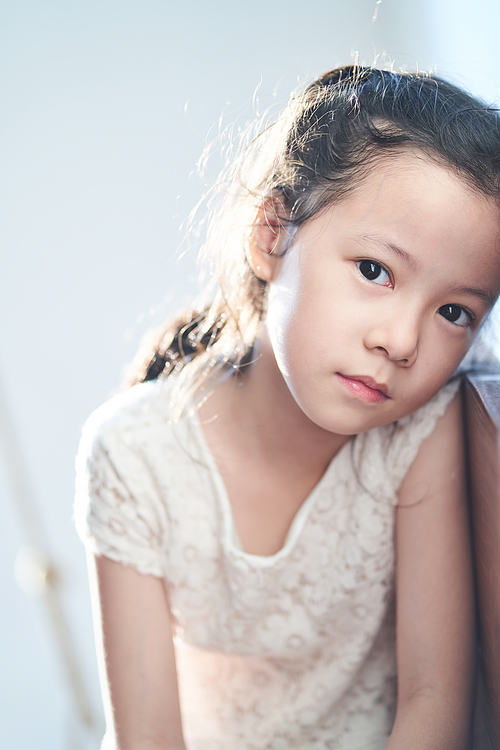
x=374 y=272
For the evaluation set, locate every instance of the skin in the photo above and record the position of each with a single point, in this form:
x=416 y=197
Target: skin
x=325 y=317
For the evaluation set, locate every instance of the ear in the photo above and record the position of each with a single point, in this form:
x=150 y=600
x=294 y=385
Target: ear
x=265 y=245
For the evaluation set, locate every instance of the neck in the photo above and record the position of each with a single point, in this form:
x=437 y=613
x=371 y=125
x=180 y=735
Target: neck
x=258 y=404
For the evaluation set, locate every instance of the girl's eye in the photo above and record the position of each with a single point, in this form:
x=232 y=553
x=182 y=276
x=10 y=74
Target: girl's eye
x=455 y=314
x=374 y=272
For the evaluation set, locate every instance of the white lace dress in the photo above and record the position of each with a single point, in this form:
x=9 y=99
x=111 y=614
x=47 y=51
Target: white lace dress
x=295 y=651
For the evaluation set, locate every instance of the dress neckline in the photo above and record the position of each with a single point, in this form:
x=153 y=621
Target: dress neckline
x=232 y=542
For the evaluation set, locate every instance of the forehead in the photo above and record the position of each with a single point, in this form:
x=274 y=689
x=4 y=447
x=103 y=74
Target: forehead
x=430 y=212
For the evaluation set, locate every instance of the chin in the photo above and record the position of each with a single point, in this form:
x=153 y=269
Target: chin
x=346 y=422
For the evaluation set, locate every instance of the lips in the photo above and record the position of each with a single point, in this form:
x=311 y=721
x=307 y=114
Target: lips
x=364 y=387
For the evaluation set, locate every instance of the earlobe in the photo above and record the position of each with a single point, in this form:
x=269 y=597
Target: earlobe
x=265 y=244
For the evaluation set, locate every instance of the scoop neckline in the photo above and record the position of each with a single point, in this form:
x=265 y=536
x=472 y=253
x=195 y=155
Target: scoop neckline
x=232 y=541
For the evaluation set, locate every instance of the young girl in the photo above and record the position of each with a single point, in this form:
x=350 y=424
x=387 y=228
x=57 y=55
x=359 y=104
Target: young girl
x=277 y=520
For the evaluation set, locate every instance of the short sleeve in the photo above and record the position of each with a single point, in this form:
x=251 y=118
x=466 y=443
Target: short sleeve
x=406 y=438
x=117 y=510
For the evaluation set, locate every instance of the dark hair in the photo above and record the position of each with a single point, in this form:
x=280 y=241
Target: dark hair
x=311 y=156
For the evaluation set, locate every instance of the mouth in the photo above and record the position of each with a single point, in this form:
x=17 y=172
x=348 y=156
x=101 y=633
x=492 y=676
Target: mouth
x=364 y=387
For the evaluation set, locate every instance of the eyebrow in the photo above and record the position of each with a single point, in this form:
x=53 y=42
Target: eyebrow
x=488 y=298
x=394 y=249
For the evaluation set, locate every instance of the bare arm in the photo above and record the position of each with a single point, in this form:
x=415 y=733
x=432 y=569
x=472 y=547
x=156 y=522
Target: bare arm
x=136 y=657
x=435 y=622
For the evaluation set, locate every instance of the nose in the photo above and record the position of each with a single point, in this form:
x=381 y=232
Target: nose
x=396 y=338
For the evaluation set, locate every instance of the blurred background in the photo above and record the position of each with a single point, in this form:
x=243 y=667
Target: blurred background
x=105 y=109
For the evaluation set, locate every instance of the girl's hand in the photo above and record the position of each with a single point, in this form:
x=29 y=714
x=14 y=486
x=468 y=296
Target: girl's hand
x=136 y=658
x=435 y=602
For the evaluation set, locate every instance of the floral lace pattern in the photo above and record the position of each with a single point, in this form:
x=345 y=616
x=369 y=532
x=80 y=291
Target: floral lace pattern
x=293 y=651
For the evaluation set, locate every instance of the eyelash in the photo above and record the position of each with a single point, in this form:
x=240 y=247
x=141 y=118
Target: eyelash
x=375 y=264
x=470 y=317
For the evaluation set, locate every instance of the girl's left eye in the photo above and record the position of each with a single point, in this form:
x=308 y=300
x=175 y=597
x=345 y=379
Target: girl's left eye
x=374 y=272
x=456 y=314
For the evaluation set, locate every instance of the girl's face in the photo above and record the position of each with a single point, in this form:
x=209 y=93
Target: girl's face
x=379 y=297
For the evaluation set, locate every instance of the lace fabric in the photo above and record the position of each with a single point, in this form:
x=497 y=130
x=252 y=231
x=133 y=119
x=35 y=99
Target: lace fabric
x=295 y=650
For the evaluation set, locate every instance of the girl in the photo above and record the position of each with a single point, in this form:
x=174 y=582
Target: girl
x=276 y=523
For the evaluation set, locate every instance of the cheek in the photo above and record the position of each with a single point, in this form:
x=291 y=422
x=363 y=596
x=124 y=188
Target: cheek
x=285 y=321
x=285 y=325
x=311 y=319
x=436 y=366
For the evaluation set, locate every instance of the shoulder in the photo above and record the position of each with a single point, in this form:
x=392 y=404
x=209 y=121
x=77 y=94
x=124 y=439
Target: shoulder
x=129 y=441
x=417 y=426
x=440 y=456
x=415 y=429
x=396 y=445
x=122 y=471
x=144 y=405
x=128 y=421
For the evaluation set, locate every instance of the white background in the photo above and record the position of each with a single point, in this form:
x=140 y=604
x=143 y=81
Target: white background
x=105 y=106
